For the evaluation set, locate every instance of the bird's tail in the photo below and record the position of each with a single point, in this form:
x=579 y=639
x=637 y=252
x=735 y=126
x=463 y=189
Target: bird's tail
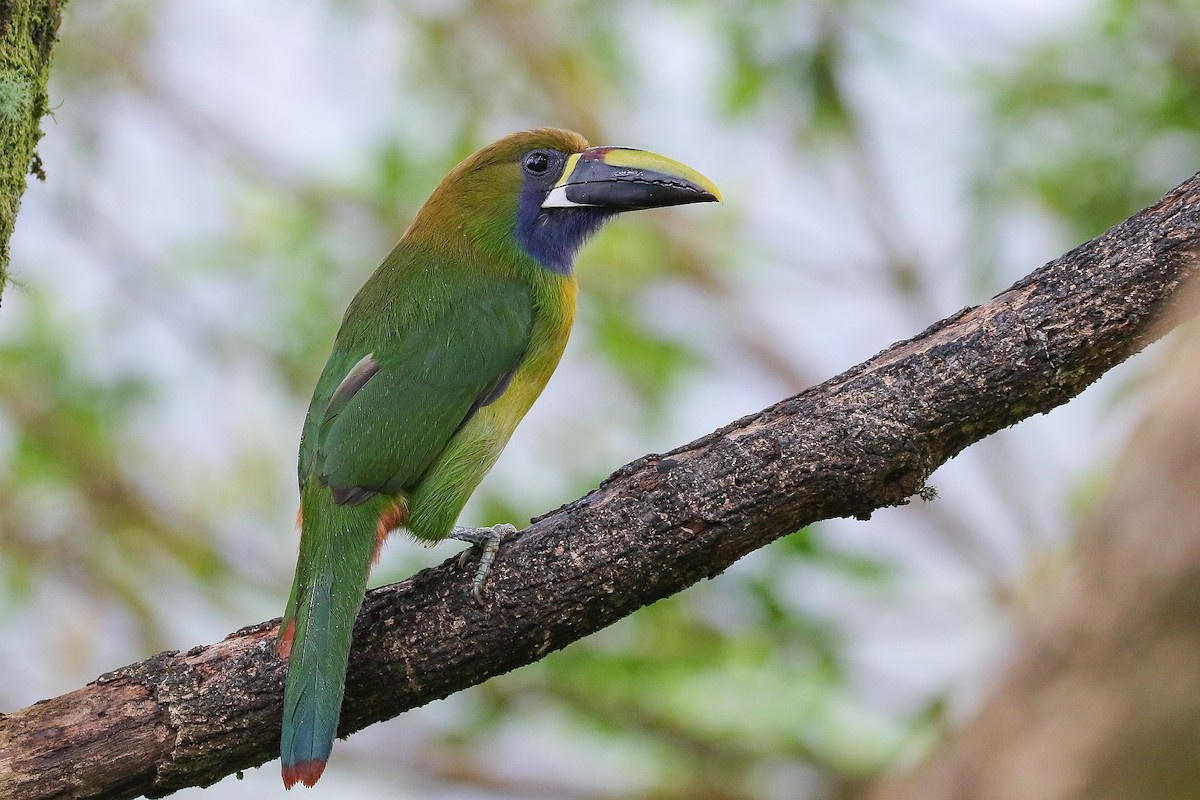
x=336 y=548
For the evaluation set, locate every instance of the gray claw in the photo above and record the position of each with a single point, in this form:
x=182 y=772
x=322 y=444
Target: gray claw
x=487 y=542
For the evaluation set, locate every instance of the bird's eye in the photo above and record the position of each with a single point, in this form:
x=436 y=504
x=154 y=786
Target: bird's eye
x=536 y=163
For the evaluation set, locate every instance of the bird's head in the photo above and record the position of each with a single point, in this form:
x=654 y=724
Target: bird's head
x=546 y=191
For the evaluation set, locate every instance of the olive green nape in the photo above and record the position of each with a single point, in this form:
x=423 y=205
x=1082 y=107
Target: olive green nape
x=474 y=190
x=512 y=147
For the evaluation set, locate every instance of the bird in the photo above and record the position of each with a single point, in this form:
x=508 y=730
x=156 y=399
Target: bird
x=439 y=356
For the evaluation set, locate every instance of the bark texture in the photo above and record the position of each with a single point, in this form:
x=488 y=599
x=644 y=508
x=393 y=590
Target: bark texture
x=865 y=439
x=1103 y=702
x=27 y=33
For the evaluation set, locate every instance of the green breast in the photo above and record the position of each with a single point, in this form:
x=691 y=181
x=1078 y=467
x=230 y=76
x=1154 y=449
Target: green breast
x=437 y=500
x=461 y=356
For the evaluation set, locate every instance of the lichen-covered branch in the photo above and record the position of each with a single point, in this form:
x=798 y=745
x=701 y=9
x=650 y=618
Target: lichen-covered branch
x=1103 y=700
x=27 y=33
x=866 y=439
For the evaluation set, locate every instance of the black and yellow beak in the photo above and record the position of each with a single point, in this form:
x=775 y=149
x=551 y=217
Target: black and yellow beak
x=624 y=179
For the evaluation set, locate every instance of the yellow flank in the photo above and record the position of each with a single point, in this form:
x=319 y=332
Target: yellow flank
x=552 y=326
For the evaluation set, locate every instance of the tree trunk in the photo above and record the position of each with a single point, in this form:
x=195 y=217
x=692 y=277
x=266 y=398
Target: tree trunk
x=27 y=33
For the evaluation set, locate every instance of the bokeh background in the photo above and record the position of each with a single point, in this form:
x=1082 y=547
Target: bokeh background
x=222 y=176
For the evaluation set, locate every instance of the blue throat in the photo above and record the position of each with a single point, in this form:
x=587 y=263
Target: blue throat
x=554 y=236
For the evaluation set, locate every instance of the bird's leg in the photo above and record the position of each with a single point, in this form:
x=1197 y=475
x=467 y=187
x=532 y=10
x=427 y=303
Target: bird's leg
x=487 y=542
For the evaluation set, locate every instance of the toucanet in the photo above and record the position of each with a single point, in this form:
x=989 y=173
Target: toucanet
x=439 y=356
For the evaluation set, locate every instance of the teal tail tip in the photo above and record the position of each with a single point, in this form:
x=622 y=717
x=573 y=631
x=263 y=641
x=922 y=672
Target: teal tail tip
x=306 y=772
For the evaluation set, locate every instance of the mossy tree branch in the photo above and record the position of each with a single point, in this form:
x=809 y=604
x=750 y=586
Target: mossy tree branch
x=27 y=34
x=866 y=439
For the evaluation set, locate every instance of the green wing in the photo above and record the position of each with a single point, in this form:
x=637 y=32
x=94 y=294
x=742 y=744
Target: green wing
x=389 y=401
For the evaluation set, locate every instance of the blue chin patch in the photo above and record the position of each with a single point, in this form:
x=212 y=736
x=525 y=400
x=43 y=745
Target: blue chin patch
x=553 y=236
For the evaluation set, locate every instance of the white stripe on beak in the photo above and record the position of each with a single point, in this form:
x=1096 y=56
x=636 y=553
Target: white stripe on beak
x=558 y=199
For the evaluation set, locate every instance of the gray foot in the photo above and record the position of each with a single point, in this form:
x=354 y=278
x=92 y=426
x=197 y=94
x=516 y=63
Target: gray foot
x=487 y=542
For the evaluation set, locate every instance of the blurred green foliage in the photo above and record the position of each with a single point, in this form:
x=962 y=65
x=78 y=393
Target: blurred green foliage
x=71 y=512
x=1096 y=124
x=723 y=689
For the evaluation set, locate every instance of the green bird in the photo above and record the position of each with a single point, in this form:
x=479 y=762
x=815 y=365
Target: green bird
x=439 y=356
